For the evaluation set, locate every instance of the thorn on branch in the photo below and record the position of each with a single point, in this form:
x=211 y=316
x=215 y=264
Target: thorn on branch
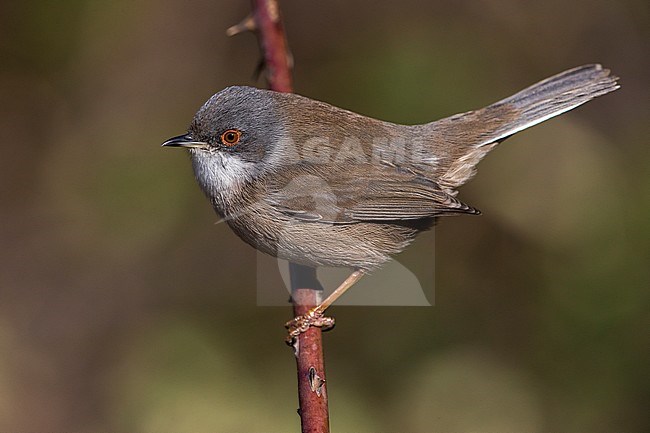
x=245 y=25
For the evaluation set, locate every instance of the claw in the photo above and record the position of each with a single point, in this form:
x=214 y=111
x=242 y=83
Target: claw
x=300 y=324
x=314 y=317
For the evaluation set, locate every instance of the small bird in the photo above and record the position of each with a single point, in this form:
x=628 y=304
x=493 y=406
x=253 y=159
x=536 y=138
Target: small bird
x=317 y=185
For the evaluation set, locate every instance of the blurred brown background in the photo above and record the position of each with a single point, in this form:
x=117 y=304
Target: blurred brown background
x=124 y=308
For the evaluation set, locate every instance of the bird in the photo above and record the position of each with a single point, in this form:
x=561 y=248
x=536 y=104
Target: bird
x=318 y=185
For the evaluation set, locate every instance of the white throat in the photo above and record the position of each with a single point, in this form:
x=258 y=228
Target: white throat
x=220 y=174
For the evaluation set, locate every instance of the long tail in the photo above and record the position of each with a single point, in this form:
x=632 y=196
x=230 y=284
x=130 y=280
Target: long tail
x=462 y=140
x=554 y=96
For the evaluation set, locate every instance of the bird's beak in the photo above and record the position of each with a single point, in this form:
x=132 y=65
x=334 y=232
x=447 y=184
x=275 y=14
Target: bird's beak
x=185 y=141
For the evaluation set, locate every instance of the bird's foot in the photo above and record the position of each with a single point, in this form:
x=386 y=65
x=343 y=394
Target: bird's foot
x=300 y=324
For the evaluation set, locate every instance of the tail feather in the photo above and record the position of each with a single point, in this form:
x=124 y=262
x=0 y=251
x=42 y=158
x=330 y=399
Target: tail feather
x=556 y=95
x=464 y=139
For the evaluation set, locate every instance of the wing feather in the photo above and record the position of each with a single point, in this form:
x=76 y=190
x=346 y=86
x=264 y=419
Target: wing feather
x=361 y=193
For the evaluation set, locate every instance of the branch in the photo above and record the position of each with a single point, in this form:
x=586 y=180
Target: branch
x=306 y=291
x=312 y=390
x=273 y=44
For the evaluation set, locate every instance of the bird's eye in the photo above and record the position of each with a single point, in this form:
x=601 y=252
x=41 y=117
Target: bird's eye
x=231 y=137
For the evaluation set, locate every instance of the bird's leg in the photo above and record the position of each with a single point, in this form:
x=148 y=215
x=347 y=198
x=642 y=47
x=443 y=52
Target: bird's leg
x=314 y=317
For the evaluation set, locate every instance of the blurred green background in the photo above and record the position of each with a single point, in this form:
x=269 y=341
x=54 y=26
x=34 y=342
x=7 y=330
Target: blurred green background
x=124 y=308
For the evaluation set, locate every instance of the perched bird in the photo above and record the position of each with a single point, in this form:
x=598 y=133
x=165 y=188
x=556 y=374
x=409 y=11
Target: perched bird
x=317 y=185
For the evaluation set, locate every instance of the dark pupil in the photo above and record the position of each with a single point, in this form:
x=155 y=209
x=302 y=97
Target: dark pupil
x=230 y=137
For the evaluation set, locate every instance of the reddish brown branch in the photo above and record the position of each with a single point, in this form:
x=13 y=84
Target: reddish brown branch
x=273 y=44
x=305 y=290
x=312 y=388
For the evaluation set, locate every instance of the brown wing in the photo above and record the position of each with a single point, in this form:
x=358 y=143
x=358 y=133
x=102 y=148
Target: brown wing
x=359 y=193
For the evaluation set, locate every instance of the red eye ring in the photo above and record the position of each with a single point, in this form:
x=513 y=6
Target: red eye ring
x=231 y=137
